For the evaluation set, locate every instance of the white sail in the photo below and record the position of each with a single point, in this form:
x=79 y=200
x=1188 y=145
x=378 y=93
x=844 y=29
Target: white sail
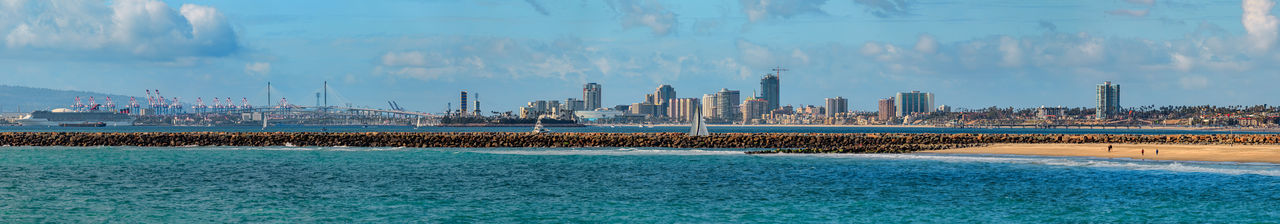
x=698 y=127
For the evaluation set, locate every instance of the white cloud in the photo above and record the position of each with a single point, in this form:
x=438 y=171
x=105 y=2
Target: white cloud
x=1259 y=23
x=1193 y=82
x=128 y=28
x=1142 y=2
x=411 y=58
x=758 y=10
x=885 y=8
x=926 y=44
x=1129 y=12
x=1011 y=52
x=646 y=13
x=258 y=68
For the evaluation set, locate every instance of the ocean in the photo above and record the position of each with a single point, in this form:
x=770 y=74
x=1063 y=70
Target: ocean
x=633 y=185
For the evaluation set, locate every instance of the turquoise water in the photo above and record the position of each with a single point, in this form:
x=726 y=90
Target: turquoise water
x=404 y=185
x=620 y=129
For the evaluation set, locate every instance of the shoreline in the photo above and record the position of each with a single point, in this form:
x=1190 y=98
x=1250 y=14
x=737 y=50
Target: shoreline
x=1168 y=152
x=1178 y=128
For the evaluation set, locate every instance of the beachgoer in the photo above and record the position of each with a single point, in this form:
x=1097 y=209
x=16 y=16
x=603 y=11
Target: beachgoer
x=1144 y=151
x=1157 y=152
x=1108 y=148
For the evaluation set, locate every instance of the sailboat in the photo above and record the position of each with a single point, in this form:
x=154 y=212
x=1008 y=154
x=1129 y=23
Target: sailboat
x=538 y=129
x=698 y=127
x=264 y=120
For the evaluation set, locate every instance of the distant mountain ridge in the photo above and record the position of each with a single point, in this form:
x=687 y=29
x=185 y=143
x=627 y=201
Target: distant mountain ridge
x=29 y=98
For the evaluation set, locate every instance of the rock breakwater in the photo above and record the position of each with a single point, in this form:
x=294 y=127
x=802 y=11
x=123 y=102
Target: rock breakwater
x=786 y=142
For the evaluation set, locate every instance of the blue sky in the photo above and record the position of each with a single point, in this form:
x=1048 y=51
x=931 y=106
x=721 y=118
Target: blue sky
x=971 y=54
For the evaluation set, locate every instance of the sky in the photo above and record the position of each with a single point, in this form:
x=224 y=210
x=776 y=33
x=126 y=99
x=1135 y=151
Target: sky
x=420 y=53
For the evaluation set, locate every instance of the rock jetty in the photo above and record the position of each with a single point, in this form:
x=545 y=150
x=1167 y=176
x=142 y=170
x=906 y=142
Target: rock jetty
x=782 y=142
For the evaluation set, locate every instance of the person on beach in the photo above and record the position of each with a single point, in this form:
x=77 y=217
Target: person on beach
x=1144 y=152
x=1157 y=152
x=1108 y=148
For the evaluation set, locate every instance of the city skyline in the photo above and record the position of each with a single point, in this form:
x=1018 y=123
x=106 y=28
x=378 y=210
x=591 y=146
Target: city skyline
x=421 y=53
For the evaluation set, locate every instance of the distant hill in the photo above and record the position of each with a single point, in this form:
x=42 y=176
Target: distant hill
x=30 y=99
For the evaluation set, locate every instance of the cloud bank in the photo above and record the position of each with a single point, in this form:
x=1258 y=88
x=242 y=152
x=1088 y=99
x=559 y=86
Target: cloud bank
x=146 y=29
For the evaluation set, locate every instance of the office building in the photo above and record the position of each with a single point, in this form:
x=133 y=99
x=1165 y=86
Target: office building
x=462 y=109
x=572 y=104
x=591 y=96
x=754 y=108
x=662 y=96
x=944 y=109
x=1108 y=101
x=887 y=110
x=1050 y=112
x=727 y=104
x=836 y=106
x=708 y=105
x=683 y=109
x=769 y=84
x=645 y=108
x=913 y=102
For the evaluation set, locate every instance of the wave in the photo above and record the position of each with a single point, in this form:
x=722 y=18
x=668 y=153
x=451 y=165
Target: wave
x=1232 y=168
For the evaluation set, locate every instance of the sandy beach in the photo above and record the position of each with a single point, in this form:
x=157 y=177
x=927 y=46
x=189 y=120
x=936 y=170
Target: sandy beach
x=1219 y=153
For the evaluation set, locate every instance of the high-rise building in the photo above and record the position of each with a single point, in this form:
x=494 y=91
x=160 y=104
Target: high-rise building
x=837 y=105
x=662 y=97
x=572 y=104
x=754 y=108
x=708 y=105
x=727 y=104
x=664 y=93
x=769 y=84
x=591 y=96
x=683 y=109
x=463 y=108
x=1108 y=100
x=887 y=109
x=643 y=109
x=913 y=102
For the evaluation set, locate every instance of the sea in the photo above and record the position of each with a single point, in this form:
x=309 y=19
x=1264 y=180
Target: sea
x=614 y=185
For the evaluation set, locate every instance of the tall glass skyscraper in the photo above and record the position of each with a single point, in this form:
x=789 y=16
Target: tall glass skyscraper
x=727 y=104
x=591 y=96
x=769 y=84
x=1108 y=100
x=913 y=102
x=837 y=105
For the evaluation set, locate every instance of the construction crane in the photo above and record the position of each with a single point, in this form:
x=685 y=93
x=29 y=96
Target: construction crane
x=778 y=70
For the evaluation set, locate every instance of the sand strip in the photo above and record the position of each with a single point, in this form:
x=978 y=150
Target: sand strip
x=1219 y=153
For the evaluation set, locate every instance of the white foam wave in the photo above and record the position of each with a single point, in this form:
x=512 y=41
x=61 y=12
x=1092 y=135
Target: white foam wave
x=1173 y=166
x=613 y=152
